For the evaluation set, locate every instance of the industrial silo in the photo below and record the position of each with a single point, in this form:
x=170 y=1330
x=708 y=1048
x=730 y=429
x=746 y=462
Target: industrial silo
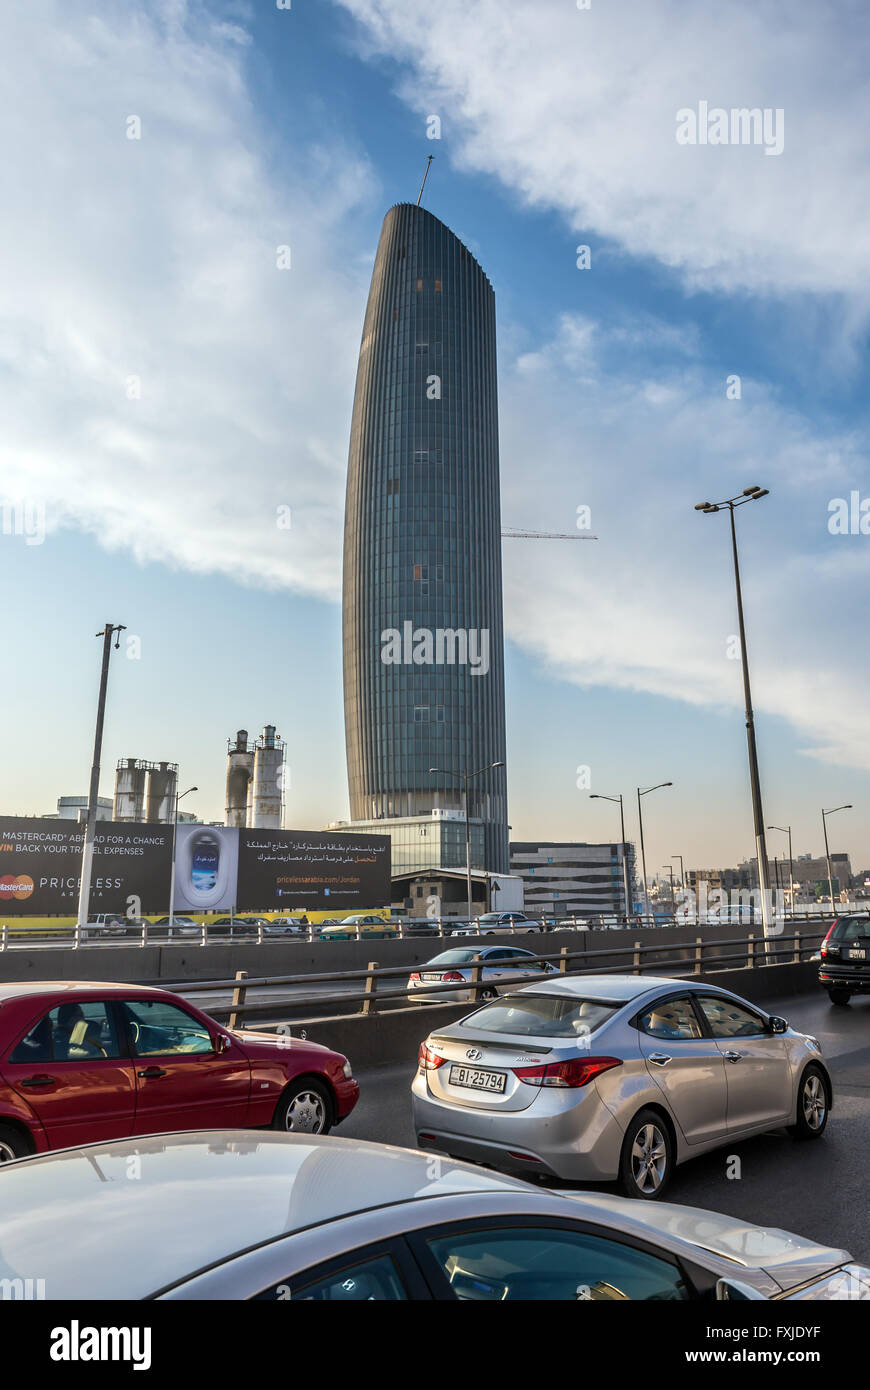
x=160 y=788
x=240 y=771
x=265 y=809
x=130 y=777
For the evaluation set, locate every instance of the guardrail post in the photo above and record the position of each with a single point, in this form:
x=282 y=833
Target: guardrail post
x=750 y=951
x=77 y=935
x=797 y=948
x=635 y=960
x=143 y=939
x=4 y=937
x=699 y=954
x=203 y=934
x=475 y=978
x=563 y=960
x=370 y=1002
x=238 y=1000
x=259 y=933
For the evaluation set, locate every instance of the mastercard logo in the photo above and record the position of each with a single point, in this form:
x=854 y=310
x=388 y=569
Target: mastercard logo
x=15 y=886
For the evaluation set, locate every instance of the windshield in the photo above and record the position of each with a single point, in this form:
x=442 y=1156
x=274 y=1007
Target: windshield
x=542 y=1016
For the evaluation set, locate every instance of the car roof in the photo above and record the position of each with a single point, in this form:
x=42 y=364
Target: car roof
x=14 y=989
x=612 y=989
x=201 y=1198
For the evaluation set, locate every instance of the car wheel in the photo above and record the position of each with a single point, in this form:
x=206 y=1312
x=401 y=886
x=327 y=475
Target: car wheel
x=487 y=995
x=13 y=1144
x=839 y=996
x=647 y=1156
x=305 y=1108
x=812 y=1105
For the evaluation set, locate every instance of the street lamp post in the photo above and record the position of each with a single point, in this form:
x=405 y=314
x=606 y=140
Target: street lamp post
x=465 y=778
x=825 y=815
x=626 y=885
x=93 y=794
x=670 y=869
x=645 y=792
x=179 y=796
x=786 y=830
x=749 y=494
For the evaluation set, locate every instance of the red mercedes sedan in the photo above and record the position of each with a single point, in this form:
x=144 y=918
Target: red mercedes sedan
x=81 y=1062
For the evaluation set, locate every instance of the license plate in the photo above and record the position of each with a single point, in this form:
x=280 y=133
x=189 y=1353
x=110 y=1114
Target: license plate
x=430 y=979
x=857 y=953
x=476 y=1080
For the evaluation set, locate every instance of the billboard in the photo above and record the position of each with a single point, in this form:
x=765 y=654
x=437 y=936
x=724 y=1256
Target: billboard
x=310 y=868
x=41 y=861
x=206 y=868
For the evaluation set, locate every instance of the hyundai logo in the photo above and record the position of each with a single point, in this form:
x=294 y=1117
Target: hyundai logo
x=473 y=1054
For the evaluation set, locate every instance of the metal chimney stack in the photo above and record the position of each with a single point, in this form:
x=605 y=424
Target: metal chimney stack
x=265 y=793
x=240 y=770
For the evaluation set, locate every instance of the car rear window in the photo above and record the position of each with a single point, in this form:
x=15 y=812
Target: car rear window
x=851 y=929
x=542 y=1016
x=455 y=957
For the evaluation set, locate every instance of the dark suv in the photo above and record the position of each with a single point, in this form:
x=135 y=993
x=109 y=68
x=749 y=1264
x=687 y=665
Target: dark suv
x=845 y=957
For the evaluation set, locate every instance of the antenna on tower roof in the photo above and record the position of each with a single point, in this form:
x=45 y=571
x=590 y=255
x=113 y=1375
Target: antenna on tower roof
x=429 y=159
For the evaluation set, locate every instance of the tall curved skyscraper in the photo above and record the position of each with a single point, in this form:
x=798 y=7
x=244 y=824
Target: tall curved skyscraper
x=423 y=632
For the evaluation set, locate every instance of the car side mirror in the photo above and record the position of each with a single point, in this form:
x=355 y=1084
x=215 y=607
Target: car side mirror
x=220 y=1042
x=777 y=1025
x=730 y=1289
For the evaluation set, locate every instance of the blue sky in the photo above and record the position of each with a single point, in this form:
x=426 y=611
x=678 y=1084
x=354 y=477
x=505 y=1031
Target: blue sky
x=154 y=259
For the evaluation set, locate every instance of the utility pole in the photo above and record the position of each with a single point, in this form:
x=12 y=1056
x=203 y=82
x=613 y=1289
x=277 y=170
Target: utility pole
x=626 y=882
x=94 y=791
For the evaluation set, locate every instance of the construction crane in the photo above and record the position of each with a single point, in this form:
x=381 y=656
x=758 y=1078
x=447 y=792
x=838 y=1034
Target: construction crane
x=511 y=533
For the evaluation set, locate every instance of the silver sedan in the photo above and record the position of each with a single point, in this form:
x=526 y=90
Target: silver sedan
x=278 y=1217
x=502 y=967
x=614 y=1077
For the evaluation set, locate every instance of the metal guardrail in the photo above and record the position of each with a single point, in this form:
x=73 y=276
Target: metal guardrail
x=148 y=934
x=697 y=959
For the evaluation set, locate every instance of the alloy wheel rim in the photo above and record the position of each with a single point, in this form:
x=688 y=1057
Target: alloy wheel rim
x=6 y=1153
x=649 y=1158
x=814 y=1102
x=306 y=1113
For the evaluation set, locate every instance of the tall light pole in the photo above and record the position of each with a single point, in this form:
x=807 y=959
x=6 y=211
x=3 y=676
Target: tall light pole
x=786 y=830
x=626 y=884
x=682 y=870
x=465 y=778
x=670 y=869
x=749 y=494
x=94 y=792
x=645 y=792
x=179 y=796
x=825 y=815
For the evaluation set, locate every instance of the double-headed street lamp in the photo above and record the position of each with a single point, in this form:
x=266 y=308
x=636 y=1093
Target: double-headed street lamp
x=749 y=494
x=825 y=814
x=626 y=883
x=786 y=830
x=179 y=796
x=467 y=777
x=645 y=792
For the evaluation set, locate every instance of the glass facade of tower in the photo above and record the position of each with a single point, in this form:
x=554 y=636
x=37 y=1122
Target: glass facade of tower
x=423 y=632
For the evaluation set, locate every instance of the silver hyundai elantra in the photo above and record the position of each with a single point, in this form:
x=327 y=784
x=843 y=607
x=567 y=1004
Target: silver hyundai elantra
x=614 y=1077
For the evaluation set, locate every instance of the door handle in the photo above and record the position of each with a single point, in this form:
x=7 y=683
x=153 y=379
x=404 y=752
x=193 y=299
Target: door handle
x=733 y=1056
x=38 y=1081
x=661 y=1059
x=150 y=1072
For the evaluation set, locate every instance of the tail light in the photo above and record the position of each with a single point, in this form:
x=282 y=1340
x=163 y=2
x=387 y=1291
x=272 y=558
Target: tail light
x=452 y=976
x=577 y=1071
x=427 y=1060
x=415 y=975
x=833 y=949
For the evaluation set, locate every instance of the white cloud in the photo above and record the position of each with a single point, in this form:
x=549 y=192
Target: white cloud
x=650 y=605
x=156 y=259
x=576 y=111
